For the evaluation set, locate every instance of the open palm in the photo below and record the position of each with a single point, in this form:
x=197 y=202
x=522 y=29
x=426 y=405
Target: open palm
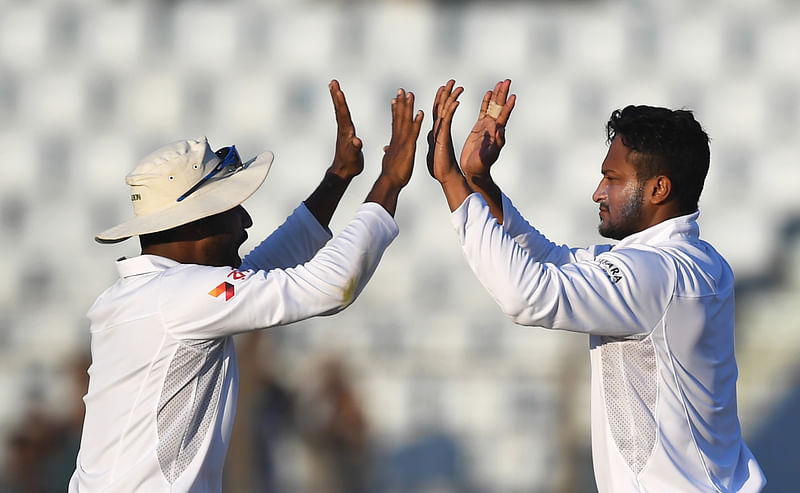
x=483 y=144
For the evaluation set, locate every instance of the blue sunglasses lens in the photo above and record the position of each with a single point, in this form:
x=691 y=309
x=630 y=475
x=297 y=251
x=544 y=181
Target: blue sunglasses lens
x=229 y=158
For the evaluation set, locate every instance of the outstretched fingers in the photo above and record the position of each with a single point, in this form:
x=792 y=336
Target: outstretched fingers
x=398 y=159
x=449 y=107
x=441 y=156
x=342 y=112
x=497 y=104
x=505 y=111
x=405 y=123
x=348 y=160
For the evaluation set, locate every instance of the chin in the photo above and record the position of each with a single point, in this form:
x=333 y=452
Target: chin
x=607 y=232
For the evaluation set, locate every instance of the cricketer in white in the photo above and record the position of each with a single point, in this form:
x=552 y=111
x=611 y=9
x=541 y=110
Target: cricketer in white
x=658 y=306
x=163 y=379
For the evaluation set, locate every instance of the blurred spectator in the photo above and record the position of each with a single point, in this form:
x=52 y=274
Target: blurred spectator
x=274 y=424
x=337 y=433
x=41 y=451
x=265 y=421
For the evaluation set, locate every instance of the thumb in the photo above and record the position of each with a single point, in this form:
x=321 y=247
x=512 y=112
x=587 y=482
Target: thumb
x=501 y=136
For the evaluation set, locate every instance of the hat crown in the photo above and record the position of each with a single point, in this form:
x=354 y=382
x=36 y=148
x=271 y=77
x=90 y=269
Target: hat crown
x=173 y=172
x=168 y=172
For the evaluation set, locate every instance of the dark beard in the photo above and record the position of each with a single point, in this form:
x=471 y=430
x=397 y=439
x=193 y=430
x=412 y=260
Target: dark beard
x=627 y=223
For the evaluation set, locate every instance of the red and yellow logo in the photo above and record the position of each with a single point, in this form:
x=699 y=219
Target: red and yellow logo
x=224 y=287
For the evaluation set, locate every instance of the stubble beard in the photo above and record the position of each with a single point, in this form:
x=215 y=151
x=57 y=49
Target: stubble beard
x=626 y=222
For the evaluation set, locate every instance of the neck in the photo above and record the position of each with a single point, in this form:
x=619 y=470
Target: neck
x=182 y=252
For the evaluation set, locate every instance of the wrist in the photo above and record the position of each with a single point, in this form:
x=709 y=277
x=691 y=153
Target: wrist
x=341 y=172
x=480 y=174
x=390 y=182
x=384 y=192
x=450 y=176
x=481 y=180
x=336 y=178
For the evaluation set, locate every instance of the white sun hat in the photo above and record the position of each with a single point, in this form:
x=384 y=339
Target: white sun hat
x=186 y=181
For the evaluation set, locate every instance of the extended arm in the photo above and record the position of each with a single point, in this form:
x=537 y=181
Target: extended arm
x=306 y=230
x=327 y=283
x=615 y=293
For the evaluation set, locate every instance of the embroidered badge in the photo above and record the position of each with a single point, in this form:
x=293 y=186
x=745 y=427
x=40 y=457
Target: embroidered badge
x=224 y=287
x=611 y=270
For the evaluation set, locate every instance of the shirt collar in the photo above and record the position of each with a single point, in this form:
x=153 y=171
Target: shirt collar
x=143 y=264
x=681 y=226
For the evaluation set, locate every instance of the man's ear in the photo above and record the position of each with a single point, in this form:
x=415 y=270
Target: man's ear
x=660 y=188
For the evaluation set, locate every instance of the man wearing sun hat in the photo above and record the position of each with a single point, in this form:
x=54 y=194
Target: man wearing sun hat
x=163 y=380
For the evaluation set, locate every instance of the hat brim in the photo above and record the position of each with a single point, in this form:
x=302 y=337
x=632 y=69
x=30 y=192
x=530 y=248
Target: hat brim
x=212 y=198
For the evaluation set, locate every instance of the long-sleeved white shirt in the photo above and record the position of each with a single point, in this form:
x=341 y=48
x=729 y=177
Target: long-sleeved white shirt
x=659 y=310
x=163 y=379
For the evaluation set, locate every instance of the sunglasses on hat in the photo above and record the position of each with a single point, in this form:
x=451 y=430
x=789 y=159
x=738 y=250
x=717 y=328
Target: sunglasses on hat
x=229 y=158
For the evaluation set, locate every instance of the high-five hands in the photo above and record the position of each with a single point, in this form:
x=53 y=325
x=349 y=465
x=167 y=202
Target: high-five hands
x=481 y=148
x=487 y=137
x=441 y=158
x=442 y=164
x=348 y=159
x=398 y=157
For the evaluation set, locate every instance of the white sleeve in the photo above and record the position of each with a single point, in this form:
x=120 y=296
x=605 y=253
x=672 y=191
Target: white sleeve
x=292 y=243
x=540 y=248
x=200 y=302
x=622 y=292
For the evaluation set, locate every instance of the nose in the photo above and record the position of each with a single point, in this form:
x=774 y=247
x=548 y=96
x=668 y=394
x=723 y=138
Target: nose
x=599 y=194
x=247 y=221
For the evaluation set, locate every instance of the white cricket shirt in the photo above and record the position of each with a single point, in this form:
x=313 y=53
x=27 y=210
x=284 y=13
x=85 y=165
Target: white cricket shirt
x=163 y=379
x=659 y=310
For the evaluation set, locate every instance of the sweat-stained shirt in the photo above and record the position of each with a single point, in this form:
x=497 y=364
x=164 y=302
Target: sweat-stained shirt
x=163 y=379
x=659 y=311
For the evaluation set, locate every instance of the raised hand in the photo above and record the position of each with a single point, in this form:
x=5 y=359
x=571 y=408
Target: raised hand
x=441 y=158
x=398 y=157
x=348 y=159
x=442 y=164
x=482 y=147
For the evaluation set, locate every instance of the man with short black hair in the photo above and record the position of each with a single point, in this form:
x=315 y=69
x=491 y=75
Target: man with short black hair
x=163 y=379
x=658 y=306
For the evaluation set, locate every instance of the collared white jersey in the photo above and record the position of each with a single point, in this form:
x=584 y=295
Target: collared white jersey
x=659 y=309
x=163 y=379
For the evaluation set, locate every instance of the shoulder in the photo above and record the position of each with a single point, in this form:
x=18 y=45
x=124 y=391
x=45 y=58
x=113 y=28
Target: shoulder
x=701 y=269
x=645 y=263
x=186 y=279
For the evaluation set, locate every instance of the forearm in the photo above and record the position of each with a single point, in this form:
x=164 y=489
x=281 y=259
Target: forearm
x=385 y=192
x=486 y=186
x=325 y=198
x=456 y=190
